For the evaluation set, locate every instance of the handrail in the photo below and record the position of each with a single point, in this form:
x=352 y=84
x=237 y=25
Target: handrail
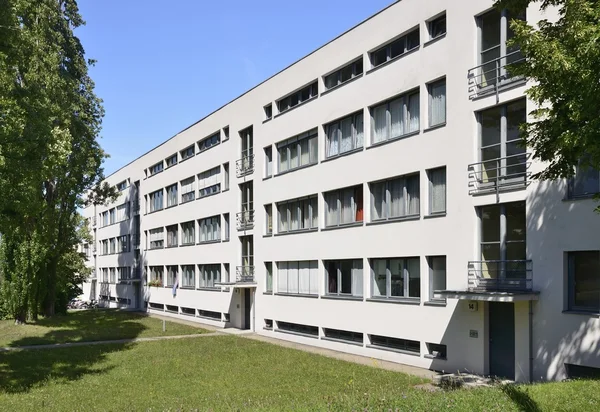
x=245 y=220
x=487 y=77
x=244 y=273
x=492 y=175
x=500 y=275
x=245 y=165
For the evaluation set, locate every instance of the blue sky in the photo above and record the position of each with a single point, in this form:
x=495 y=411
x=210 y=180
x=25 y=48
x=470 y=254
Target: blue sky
x=163 y=65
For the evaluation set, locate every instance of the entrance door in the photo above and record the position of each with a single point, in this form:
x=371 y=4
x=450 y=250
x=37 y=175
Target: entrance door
x=502 y=339
x=247 y=302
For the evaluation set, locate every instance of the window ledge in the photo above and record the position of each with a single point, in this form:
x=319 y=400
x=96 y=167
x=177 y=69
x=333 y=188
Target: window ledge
x=225 y=190
x=395 y=219
x=187 y=314
x=168 y=286
x=187 y=244
x=401 y=301
x=434 y=215
x=306 y=335
x=435 y=39
x=267 y=178
x=268 y=120
x=186 y=287
x=224 y=240
x=435 y=303
x=434 y=127
x=156 y=248
x=358 y=76
x=393 y=60
x=404 y=352
x=581 y=312
x=297 y=295
x=570 y=198
x=268 y=293
x=342 y=297
x=154 y=211
x=343 y=226
x=295 y=107
x=172 y=206
x=209 y=318
x=205 y=196
x=208 y=242
x=428 y=356
x=208 y=289
x=296 y=169
x=346 y=153
x=187 y=158
x=208 y=148
x=267 y=328
x=154 y=174
x=347 y=342
x=394 y=139
x=171 y=247
x=268 y=235
x=187 y=201
x=296 y=232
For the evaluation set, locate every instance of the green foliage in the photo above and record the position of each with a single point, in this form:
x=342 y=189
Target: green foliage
x=562 y=61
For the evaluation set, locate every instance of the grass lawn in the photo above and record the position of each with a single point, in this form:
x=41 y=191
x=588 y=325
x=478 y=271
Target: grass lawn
x=234 y=373
x=89 y=325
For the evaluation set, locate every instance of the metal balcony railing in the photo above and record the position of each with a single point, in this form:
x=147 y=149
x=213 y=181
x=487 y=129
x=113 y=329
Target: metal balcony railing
x=136 y=207
x=501 y=276
x=245 y=220
x=244 y=273
x=489 y=77
x=505 y=173
x=244 y=166
x=136 y=240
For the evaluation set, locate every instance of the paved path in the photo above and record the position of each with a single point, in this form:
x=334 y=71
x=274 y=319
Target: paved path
x=104 y=342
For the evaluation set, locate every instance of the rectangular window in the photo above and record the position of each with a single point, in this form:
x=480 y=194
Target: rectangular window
x=437 y=27
x=437 y=103
x=225 y=274
x=585 y=182
x=395 y=198
x=156 y=201
x=157 y=238
x=210 y=275
x=396 y=278
x=344 y=206
x=113 y=246
x=298 y=214
x=122 y=212
x=436 y=351
x=188 y=276
x=105 y=219
x=405 y=345
x=396 y=48
x=123 y=244
x=268 y=111
x=113 y=216
x=269 y=272
x=210 y=229
x=269 y=219
x=188 y=191
x=113 y=278
x=172 y=195
x=172 y=161
x=122 y=186
x=172 y=236
x=156 y=274
x=298 y=277
x=395 y=118
x=187 y=152
x=209 y=142
x=344 y=74
x=298 y=151
x=437 y=190
x=105 y=275
x=344 y=277
x=209 y=182
x=157 y=168
x=306 y=93
x=105 y=247
x=297 y=328
x=343 y=335
x=225 y=176
x=225 y=133
x=225 y=226
x=268 y=161
x=344 y=135
x=124 y=273
x=188 y=233
x=437 y=276
x=584 y=281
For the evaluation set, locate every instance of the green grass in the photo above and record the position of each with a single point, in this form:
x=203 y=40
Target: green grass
x=234 y=373
x=89 y=325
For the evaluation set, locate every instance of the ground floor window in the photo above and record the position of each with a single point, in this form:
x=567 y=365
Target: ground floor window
x=584 y=281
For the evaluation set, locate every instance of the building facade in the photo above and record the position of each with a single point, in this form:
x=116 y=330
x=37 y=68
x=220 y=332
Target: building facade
x=371 y=198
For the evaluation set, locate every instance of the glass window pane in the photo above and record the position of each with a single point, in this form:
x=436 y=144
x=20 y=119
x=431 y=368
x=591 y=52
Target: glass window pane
x=333 y=139
x=397 y=115
x=346 y=142
x=396 y=277
x=413 y=113
x=515 y=221
x=438 y=190
x=414 y=277
x=490 y=29
x=358 y=130
x=490 y=223
x=304 y=152
x=380 y=131
x=380 y=277
x=398 y=202
x=346 y=276
x=585 y=279
x=378 y=198
x=490 y=126
x=586 y=181
x=437 y=103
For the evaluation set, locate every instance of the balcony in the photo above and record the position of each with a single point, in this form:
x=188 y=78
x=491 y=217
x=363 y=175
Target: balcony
x=136 y=240
x=244 y=166
x=136 y=207
x=502 y=174
x=245 y=220
x=244 y=274
x=494 y=75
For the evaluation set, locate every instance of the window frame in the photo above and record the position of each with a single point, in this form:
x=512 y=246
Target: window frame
x=430 y=88
x=153 y=203
x=571 y=281
x=288 y=145
x=313 y=265
x=388 y=198
x=430 y=176
x=172 y=236
x=190 y=236
x=313 y=220
x=156 y=168
x=170 y=201
x=337 y=124
x=431 y=24
x=404 y=101
x=357 y=69
x=170 y=162
x=187 y=283
x=339 y=279
x=204 y=223
x=571 y=194
x=387 y=47
x=209 y=142
x=188 y=198
x=430 y=266
x=339 y=199
x=186 y=154
x=405 y=279
x=297 y=97
x=206 y=275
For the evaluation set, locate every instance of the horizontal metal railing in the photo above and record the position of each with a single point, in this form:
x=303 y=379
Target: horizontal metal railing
x=488 y=77
x=244 y=166
x=244 y=273
x=136 y=207
x=504 y=173
x=501 y=275
x=245 y=220
x=136 y=240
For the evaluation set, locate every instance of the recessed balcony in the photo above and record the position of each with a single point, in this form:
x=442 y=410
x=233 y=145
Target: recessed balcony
x=244 y=274
x=244 y=166
x=494 y=75
x=501 y=174
x=245 y=220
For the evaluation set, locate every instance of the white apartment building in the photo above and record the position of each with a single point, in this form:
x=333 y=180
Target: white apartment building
x=370 y=198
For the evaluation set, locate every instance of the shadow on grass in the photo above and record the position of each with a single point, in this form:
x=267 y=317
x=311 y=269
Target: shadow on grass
x=20 y=370
x=520 y=398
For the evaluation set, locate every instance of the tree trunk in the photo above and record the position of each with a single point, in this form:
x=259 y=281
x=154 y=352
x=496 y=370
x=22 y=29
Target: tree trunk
x=21 y=318
x=51 y=290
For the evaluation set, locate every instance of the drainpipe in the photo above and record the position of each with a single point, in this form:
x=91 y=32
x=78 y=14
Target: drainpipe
x=530 y=341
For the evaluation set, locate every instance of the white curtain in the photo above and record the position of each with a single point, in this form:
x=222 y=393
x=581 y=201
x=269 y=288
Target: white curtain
x=348 y=211
x=314 y=276
x=333 y=139
x=413 y=112
x=283 y=218
x=187 y=185
x=438 y=190
x=358 y=130
x=304 y=152
x=438 y=103
x=293 y=285
x=380 y=284
x=397 y=200
x=412 y=189
x=397 y=115
x=357 y=278
x=294 y=216
x=122 y=212
x=314 y=211
x=304 y=277
x=378 y=201
x=379 y=123
x=282 y=277
x=346 y=143
x=305 y=204
x=283 y=159
x=313 y=148
x=331 y=218
x=293 y=155
x=156 y=234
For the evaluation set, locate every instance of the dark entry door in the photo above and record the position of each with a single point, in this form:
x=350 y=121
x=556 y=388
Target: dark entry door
x=247 y=308
x=502 y=339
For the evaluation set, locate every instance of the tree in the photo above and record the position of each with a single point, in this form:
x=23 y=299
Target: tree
x=562 y=59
